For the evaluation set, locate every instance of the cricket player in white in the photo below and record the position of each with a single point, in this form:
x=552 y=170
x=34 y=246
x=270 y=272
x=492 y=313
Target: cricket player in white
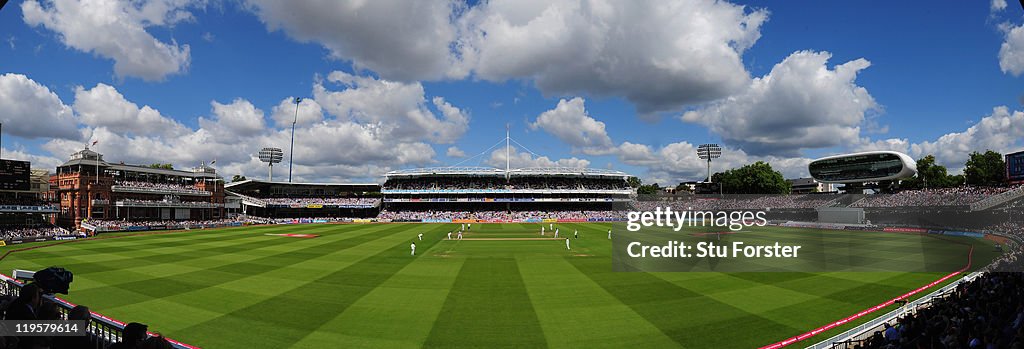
x=576 y=234
x=542 y=230
x=450 y=235
x=421 y=236
x=413 y=246
x=469 y=226
x=460 y=235
x=567 y=244
x=609 y=234
x=463 y=226
x=556 y=233
x=551 y=226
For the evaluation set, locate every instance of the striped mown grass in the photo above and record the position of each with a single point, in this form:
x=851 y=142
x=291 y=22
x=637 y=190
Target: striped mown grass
x=356 y=286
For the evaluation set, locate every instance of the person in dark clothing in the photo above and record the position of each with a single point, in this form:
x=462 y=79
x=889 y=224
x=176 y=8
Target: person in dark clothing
x=134 y=334
x=79 y=312
x=155 y=342
x=24 y=308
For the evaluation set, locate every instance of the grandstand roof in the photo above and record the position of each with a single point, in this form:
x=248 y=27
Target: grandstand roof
x=253 y=183
x=490 y=171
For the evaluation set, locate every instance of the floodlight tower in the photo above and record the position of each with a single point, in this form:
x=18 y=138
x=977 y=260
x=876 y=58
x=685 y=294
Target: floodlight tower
x=708 y=152
x=271 y=156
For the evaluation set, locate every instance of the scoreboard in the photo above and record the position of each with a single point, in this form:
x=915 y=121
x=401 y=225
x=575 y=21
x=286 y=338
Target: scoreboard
x=1015 y=167
x=14 y=175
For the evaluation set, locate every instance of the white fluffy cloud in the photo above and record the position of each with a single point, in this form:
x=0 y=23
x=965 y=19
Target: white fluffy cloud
x=800 y=104
x=1002 y=131
x=1011 y=53
x=116 y=29
x=341 y=147
x=398 y=109
x=569 y=122
x=997 y=5
x=30 y=110
x=455 y=152
x=519 y=159
x=239 y=118
x=415 y=46
x=104 y=106
x=308 y=112
x=660 y=55
x=678 y=162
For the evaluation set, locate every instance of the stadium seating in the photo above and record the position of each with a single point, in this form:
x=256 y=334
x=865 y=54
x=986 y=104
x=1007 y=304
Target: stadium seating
x=987 y=312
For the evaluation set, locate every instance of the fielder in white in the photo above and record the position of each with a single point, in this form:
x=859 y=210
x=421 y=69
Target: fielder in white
x=421 y=236
x=450 y=235
x=413 y=246
x=556 y=233
x=542 y=230
x=567 y=244
x=609 y=234
x=576 y=234
x=460 y=235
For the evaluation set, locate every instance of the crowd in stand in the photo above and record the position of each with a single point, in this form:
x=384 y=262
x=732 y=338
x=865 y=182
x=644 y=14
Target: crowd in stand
x=497 y=215
x=158 y=186
x=158 y=223
x=199 y=204
x=987 y=312
x=957 y=196
x=23 y=201
x=16 y=232
x=695 y=203
x=323 y=201
x=495 y=183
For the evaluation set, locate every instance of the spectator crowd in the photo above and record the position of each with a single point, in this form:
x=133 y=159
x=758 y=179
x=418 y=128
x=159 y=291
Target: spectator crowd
x=172 y=187
x=323 y=201
x=499 y=183
x=738 y=202
x=957 y=196
x=987 y=312
x=498 y=215
x=21 y=232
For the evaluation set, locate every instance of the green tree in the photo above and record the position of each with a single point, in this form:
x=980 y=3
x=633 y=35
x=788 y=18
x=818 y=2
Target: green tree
x=649 y=189
x=237 y=178
x=683 y=188
x=163 y=166
x=931 y=175
x=756 y=178
x=634 y=182
x=986 y=168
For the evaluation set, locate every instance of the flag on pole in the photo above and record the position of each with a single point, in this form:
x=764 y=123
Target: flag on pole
x=298 y=100
x=94 y=142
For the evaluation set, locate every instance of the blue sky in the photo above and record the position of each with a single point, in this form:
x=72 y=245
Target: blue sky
x=391 y=84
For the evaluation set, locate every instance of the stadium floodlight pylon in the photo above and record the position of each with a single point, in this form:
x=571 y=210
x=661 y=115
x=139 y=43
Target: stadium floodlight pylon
x=709 y=152
x=271 y=156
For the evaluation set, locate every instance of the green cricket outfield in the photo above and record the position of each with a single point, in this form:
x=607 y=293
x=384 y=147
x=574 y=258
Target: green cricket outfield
x=356 y=286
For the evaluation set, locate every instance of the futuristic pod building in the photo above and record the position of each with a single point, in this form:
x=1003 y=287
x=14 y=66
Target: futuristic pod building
x=863 y=167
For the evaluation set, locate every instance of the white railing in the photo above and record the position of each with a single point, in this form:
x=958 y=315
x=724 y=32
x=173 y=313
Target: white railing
x=877 y=322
